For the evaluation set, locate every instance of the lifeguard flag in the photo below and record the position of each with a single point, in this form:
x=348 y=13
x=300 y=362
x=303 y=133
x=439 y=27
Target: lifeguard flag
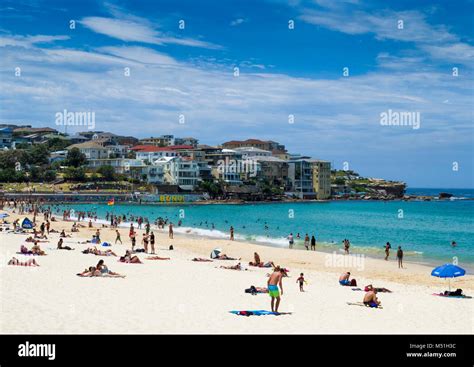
x=111 y=202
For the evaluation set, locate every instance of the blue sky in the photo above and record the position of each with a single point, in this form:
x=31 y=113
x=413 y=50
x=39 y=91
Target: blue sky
x=283 y=72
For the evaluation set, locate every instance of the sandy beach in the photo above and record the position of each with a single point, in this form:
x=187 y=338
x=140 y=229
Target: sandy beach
x=182 y=296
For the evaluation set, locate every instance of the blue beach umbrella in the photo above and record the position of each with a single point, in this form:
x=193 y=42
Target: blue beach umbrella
x=448 y=271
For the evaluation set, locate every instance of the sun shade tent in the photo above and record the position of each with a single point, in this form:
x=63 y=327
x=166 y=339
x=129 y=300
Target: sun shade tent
x=215 y=253
x=448 y=271
x=27 y=224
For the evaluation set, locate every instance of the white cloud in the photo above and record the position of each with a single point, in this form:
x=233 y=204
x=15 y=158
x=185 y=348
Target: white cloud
x=27 y=41
x=238 y=21
x=138 y=31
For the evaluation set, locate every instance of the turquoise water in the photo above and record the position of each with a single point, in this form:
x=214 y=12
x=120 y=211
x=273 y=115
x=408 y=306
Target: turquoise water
x=423 y=229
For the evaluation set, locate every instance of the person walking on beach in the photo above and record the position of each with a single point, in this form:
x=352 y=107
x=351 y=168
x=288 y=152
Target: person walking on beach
x=170 y=231
x=134 y=242
x=291 y=240
x=231 y=233
x=117 y=238
x=306 y=241
x=400 y=257
x=387 y=250
x=313 y=243
x=274 y=281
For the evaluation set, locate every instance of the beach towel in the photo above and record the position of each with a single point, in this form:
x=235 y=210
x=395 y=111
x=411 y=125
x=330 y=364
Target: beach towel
x=361 y=304
x=447 y=296
x=254 y=313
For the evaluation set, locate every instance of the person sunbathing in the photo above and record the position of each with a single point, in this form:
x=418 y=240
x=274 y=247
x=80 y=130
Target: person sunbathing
x=370 y=287
x=74 y=228
x=64 y=235
x=129 y=259
x=36 y=250
x=24 y=250
x=91 y=272
x=95 y=251
x=201 y=259
x=370 y=299
x=268 y=264
x=104 y=270
x=61 y=247
x=29 y=262
x=344 y=280
x=157 y=258
x=254 y=290
x=225 y=257
x=234 y=267
x=38 y=235
x=31 y=239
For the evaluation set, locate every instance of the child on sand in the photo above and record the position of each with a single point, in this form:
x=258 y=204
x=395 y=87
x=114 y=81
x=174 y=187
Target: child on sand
x=301 y=281
x=117 y=237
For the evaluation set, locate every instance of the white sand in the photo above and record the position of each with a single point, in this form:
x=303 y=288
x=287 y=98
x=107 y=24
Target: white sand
x=181 y=296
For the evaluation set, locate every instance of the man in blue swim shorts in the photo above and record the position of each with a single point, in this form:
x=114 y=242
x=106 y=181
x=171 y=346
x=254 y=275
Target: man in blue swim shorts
x=275 y=281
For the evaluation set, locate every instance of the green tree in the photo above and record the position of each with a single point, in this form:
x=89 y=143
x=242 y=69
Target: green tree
x=38 y=154
x=75 y=158
x=107 y=172
x=55 y=144
x=75 y=174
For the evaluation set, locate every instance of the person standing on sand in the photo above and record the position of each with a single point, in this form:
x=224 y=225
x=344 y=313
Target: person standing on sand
x=387 y=250
x=291 y=241
x=274 y=281
x=170 y=231
x=145 y=242
x=231 y=233
x=306 y=241
x=400 y=257
x=117 y=238
x=152 y=242
x=347 y=244
x=313 y=243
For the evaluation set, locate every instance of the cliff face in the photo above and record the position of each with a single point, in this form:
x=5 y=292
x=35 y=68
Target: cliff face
x=396 y=189
x=351 y=182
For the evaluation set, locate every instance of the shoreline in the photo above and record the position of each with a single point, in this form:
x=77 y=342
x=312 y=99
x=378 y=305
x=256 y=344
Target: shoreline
x=373 y=252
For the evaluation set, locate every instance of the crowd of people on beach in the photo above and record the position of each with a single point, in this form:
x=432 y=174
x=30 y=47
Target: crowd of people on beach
x=274 y=287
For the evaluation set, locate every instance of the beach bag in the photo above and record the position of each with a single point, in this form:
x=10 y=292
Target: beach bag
x=353 y=283
x=171 y=247
x=252 y=290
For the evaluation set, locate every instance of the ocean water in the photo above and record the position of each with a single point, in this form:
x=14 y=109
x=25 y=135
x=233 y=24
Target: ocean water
x=423 y=229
